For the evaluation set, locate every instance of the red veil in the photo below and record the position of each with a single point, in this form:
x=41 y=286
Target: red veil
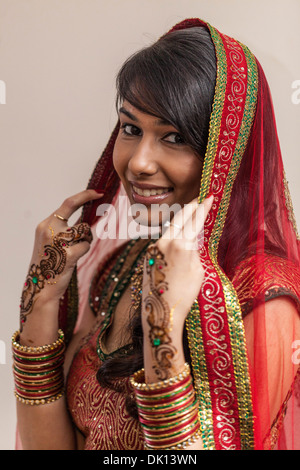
x=243 y=328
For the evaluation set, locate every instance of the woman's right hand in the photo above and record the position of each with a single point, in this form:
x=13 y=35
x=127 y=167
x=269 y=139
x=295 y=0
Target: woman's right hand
x=57 y=249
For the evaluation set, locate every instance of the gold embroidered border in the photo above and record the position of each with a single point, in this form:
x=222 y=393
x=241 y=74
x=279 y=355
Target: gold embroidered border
x=201 y=381
x=233 y=309
x=216 y=115
x=249 y=112
x=234 y=313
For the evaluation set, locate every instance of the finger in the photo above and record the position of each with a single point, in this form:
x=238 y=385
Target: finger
x=73 y=203
x=173 y=228
x=79 y=250
x=208 y=202
x=76 y=241
x=198 y=217
x=73 y=235
x=188 y=223
x=186 y=212
x=194 y=227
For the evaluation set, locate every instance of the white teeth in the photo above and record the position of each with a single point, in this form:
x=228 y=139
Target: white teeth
x=149 y=192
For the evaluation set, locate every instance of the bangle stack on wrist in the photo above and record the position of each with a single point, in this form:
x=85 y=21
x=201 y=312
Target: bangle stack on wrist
x=38 y=371
x=168 y=411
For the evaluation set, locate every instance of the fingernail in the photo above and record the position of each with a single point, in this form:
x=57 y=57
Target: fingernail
x=100 y=192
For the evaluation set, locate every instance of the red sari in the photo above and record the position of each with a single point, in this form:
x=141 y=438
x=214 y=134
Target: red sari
x=250 y=256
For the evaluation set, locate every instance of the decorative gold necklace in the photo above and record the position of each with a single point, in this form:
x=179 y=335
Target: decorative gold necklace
x=134 y=277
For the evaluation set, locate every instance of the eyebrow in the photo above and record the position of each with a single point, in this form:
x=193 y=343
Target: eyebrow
x=158 y=122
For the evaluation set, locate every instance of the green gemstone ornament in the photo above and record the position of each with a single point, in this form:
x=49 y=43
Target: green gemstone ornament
x=34 y=280
x=156 y=342
x=151 y=261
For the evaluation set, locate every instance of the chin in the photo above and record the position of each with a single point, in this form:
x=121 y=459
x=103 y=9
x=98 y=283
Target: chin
x=155 y=216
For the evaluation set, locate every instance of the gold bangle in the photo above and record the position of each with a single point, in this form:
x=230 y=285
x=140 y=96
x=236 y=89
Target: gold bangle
x=41 y=401
x=37 y=382
x=38 y=371
x=172 y=417
x=168 y=434
x=38 y=367
x=180 y=411
x=37 y=359
x=36 y=349
x=135 y=380
x=165 y=427
x=180 y=445
x=169 y=407
x=161 y=394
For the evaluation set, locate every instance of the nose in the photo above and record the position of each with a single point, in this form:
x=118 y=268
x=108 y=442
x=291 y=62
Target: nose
x=143 y=158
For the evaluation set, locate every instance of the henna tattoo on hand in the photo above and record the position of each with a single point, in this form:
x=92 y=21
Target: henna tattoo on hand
x=54 y=258
x=159 y=314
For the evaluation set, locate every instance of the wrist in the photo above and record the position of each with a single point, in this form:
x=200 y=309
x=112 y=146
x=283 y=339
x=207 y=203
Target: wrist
x=41 y=324
x=163 y=355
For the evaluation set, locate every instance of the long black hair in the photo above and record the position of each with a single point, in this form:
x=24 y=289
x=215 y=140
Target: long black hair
x=173 y=79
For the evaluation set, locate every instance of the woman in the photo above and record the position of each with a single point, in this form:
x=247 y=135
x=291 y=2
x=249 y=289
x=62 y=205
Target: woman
x=184 y=339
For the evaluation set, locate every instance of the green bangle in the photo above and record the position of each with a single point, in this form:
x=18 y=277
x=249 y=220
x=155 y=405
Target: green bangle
x=176 y=413
x=169 y=395
x=168 y=405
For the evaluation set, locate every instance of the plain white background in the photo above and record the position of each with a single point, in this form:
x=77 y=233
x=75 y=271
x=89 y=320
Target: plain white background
x=58 y=60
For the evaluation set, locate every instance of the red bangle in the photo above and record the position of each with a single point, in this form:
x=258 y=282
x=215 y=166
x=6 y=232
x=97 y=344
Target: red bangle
x=150 y=401
x=158 y=391
x=176 y=440
x=167 y=411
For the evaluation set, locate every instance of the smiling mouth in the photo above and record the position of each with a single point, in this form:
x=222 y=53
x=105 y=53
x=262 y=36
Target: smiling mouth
x=151 y=192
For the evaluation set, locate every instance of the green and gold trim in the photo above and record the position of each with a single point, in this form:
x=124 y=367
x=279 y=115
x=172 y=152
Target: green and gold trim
x=202 y=374
x=216 y=115
x=201 y=380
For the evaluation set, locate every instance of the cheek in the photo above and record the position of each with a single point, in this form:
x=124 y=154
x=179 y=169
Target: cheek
x=189 y=178
x=197 y=179
x=119 y=160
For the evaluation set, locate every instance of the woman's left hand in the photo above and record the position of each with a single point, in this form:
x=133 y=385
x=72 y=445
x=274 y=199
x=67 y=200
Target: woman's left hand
x=173 y=275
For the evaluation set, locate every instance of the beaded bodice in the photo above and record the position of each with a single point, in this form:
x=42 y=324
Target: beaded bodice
x=100 y=413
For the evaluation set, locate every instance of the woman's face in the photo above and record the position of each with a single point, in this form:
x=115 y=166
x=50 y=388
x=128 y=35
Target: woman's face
x=153 y=163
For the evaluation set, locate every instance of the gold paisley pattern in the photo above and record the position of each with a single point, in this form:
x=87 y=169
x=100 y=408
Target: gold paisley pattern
x=100 y=413
x=225 y=401
x=276 y=277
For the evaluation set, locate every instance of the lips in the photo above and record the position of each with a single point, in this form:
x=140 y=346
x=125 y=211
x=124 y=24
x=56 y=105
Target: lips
x=149 y=194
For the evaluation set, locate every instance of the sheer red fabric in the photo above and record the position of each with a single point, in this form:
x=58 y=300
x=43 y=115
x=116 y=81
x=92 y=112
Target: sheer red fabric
x=259 y=251
x=267 y=279
x=244 y=331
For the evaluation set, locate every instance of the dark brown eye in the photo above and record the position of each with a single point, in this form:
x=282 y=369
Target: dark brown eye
x=130 y=129
x=174 y=138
